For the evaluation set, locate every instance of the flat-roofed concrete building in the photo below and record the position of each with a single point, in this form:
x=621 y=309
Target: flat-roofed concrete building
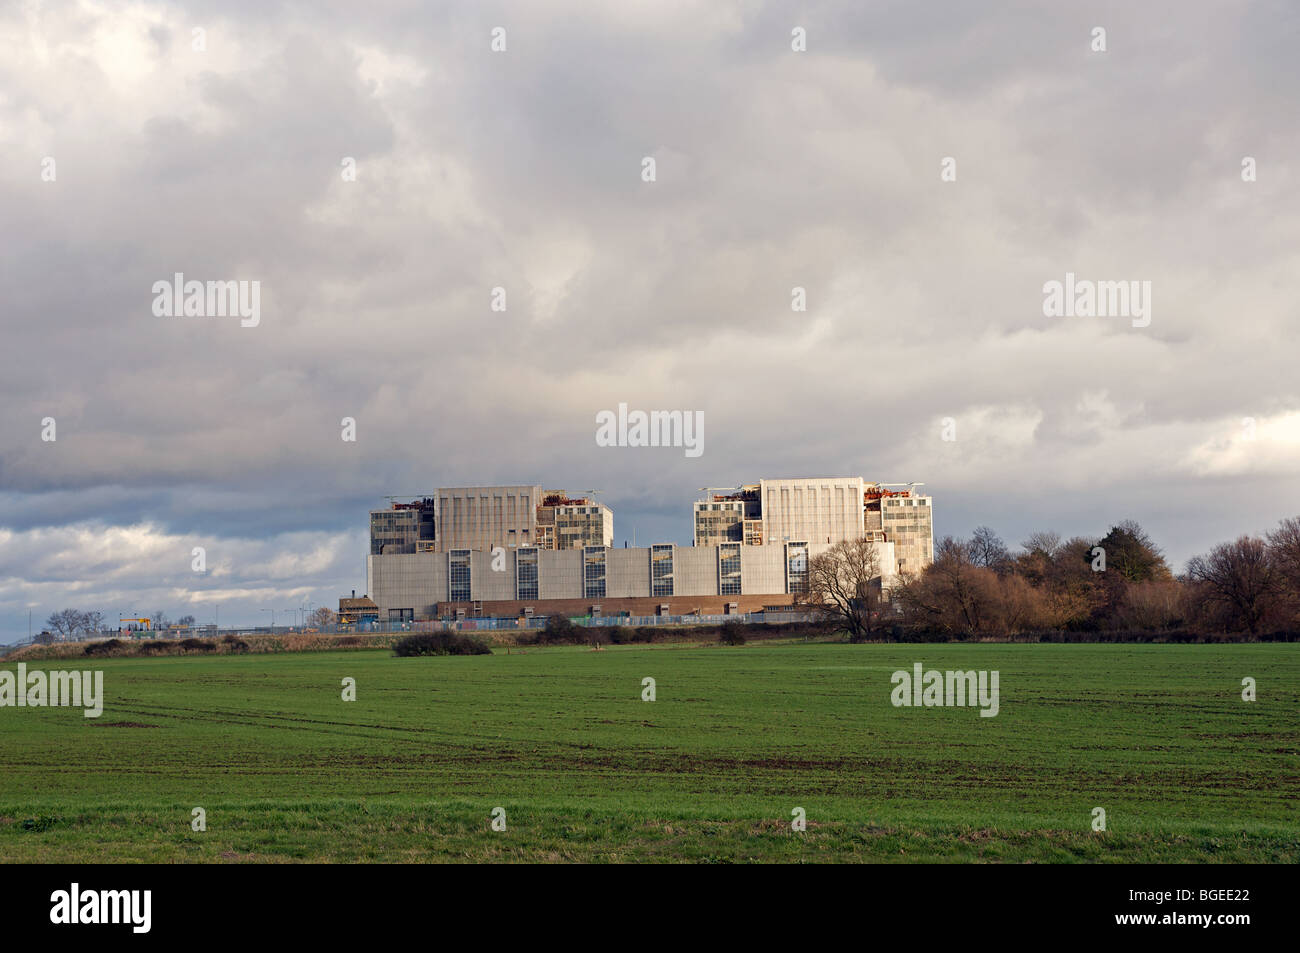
x=403 y=527
x=663 y=578
x=826 y=510
x=816 y=510
x=583 y=524
x=566 y=522
x=481 y=517
x=727 y=515
x=907 y=521
x=484 y=517
x=752 y=545
x=719 y=521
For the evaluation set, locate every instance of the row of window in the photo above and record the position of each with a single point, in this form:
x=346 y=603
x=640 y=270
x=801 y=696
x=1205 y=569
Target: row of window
x=661 y=570
x=796 y=567
x=526 y=574
x=728 y=570
x=460 y=573
x=593 y=572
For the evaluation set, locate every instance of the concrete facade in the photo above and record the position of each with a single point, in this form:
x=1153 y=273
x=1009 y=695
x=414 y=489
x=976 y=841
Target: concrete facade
x=815 y=511
x=480 y=517
x=415 y=585
x=402 y=528
x=719 y=521
x=753 y=541
x=587 y=524
x=908 y=522
x=641 y=606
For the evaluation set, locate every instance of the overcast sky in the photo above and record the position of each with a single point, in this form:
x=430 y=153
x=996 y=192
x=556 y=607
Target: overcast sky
x=523 y=169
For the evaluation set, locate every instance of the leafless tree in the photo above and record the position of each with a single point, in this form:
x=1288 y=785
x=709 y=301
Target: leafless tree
x=953 y=595
x=321 y=617
x=1153 y=605
x=988 y=551
x=1045 y=542
x=1239 y=578
x=66 y=622
x=845 y=583
x=1284 y=547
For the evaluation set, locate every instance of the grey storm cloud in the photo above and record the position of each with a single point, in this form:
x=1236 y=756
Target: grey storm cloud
x=521 y=170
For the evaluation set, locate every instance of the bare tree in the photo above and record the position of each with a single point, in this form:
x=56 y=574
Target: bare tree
x=1154 y=605
x=66 y=622
x=321 y=617
x=1037 y=562
x=92 y=621
x=988 y=551
x=1284 y=547
x=1045 y=542
x=1240 y=579
x=845 y=583
x=953 y=595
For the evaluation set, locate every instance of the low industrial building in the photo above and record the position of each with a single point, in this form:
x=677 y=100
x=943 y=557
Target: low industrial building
x=356 y=610
x=663 y=579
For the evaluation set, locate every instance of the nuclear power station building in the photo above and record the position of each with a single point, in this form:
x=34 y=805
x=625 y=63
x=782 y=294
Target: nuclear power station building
x=510 y=551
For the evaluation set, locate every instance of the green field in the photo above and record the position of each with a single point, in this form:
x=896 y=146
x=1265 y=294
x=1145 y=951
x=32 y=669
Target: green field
x=1157 y=735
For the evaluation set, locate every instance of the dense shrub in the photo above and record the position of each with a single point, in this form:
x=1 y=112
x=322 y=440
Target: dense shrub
x=733 y=633
x=439 y=643
x=560 y=631
x=627 y=635
x=349 y=640
x=196 y=645
x=103 y=648
x=234 y=644
x=1105 y=636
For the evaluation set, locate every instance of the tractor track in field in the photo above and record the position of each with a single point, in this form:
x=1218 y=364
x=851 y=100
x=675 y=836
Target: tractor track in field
x=268 y=719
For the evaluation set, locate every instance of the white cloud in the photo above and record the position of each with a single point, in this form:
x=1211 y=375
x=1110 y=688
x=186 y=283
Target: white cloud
x=521 y=169
x=1247 y=445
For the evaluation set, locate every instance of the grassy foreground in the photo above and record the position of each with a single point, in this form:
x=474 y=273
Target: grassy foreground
x=738 y=737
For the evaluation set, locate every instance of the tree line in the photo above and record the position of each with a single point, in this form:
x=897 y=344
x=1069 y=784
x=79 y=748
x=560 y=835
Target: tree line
x=1118 y=583
x=67 y=624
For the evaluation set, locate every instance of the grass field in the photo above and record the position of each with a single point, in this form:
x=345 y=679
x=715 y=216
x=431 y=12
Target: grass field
x=1157 y=735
